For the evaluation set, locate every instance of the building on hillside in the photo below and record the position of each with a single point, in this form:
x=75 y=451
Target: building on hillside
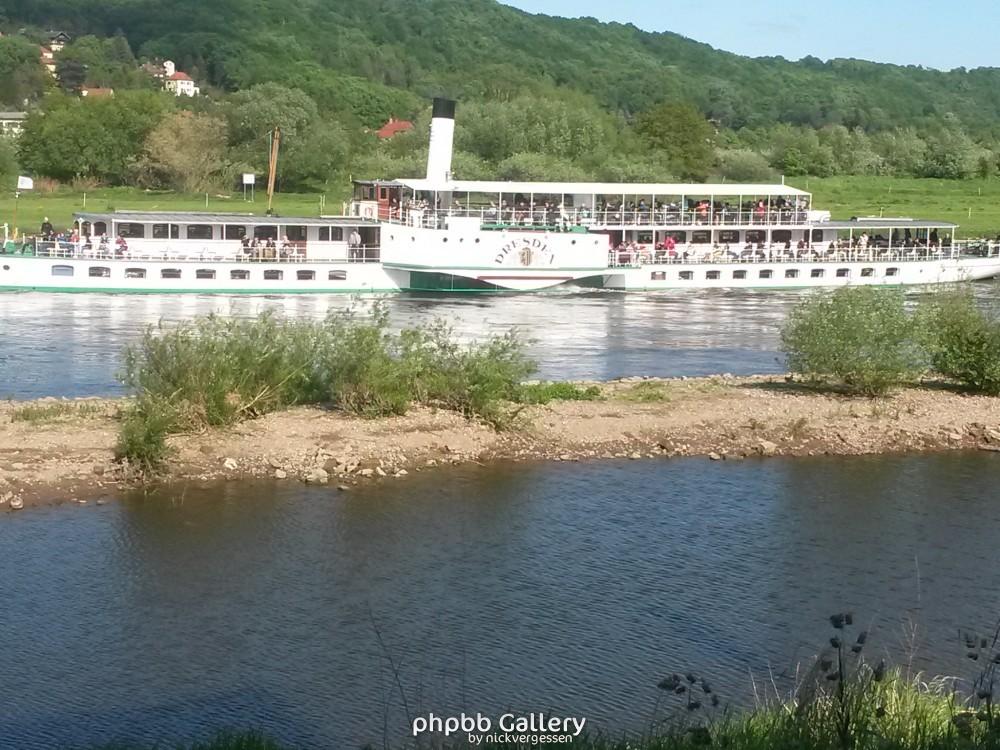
x=96 y=92
x=12 y=123
x=154 y=69
x=48 y=59
x=58 y=40
x=178 y=82
x=394 y=127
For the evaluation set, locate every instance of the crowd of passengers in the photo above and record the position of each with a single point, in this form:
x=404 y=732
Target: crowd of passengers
x=83 y=244
x=632 y=252
x=552 y=214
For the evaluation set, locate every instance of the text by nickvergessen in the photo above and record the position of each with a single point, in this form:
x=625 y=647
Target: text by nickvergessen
x=531 y=729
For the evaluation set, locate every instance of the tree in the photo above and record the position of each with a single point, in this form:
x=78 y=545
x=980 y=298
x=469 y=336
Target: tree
x=72 y=74
x=683 y=133
x=22 y=77
x=8 y=164
x=96 y=138
x=744 y=165
x=187 y=152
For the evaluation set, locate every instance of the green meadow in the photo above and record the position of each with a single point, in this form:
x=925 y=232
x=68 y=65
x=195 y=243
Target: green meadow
x=973 y=204
x=60 y=205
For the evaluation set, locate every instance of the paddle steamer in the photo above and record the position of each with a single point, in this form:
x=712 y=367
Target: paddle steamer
x=441 y=234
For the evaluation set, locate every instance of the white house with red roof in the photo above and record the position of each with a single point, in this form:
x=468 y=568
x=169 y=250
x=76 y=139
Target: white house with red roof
x=178 y=82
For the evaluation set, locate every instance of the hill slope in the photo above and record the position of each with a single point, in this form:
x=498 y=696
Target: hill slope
x=476 y=48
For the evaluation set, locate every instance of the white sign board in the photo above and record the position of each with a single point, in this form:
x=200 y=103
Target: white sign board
x=249 y=179
x=25 y=183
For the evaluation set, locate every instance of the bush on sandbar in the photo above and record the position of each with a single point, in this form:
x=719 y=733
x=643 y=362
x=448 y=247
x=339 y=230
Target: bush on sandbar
x=963 y=340
x=214 y=372
x=860 y=337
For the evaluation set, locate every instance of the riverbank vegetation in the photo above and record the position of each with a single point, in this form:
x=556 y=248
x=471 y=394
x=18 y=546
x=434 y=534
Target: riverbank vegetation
x=841 y=702
x=216 y=372
x=867 y=340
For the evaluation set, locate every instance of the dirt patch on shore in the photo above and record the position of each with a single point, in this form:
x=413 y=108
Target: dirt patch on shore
x=63 y=451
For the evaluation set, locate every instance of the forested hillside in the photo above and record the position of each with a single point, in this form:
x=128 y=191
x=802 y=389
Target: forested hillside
x=541 y=96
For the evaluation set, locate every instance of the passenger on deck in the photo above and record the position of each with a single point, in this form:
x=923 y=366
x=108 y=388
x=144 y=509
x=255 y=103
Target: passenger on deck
x=121 y=247
x=47 y=230
x=354 y=246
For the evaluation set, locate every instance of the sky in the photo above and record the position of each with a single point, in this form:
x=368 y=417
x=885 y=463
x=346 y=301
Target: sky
x=931 y=33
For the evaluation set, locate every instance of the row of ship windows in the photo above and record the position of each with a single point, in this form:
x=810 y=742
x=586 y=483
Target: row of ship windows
x=767 y=273
x=206 y=274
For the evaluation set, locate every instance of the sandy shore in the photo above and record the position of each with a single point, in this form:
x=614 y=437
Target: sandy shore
x=69 y=457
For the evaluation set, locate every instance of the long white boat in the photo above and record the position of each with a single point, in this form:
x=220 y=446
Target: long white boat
x=439 y=234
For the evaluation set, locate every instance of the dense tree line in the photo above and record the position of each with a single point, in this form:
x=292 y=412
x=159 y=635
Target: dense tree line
x=542 y=98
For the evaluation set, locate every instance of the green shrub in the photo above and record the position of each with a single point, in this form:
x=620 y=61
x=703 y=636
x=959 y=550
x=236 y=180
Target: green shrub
x=142 y=438
x=859 y=337
x=214 y=372
x=545 y=393
x=963 y=340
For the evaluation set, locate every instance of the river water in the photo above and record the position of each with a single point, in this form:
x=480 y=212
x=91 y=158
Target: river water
x=61 y=344
x=559 y=587
x=562 y=588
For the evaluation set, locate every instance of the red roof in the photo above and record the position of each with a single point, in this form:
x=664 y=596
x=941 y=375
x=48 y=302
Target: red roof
x=394 y=127
x=179 y=76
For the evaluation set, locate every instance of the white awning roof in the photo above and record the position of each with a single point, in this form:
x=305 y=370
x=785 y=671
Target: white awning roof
x=602 y=188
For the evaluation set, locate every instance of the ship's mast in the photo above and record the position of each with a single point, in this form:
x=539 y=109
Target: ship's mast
x=272 y=166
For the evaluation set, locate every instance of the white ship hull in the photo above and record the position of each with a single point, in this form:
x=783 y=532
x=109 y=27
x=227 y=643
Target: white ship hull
x=197 y=277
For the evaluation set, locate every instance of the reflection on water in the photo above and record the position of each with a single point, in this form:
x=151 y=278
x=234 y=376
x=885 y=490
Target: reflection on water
x=58 y=344
x=561 y=587
x=62 y=344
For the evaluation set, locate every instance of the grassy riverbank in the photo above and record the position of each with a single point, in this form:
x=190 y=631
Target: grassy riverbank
x=59 y=205
x=974 y=204
x=869 y=710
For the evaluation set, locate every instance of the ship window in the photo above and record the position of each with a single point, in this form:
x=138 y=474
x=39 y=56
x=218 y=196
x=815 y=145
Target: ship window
x=701 y=237
x=132 y=231
x=817 y=273
x=867 y=272
x=62 y=270
x=781 y=235
x=713 y=275
x=756 y=236
x=677 y=236
x=239 y=275
x=199 y=231
x=295 y=234
x=265 y=233
x=687 y=275
x=135 y=273
x=337 y=276
x=170 y=273
x=766 y=273
x=306 y=275
x=729 y=235
x=892 y=272
x=843 y=273
x=100 y=228
x=739 y=275
x=791 y=273
x=204 y=273
x=99 y=272
x=658 y=276
x=331 y=234
x=235 y=231
x=273 y=275
x=817 y=235
x=166 y=231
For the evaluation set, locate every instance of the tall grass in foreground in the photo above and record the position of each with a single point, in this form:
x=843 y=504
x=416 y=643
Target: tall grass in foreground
x=841 y=702
x=215 y=372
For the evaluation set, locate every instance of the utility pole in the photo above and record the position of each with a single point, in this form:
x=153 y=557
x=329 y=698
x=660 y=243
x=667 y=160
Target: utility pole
x=272 y=166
